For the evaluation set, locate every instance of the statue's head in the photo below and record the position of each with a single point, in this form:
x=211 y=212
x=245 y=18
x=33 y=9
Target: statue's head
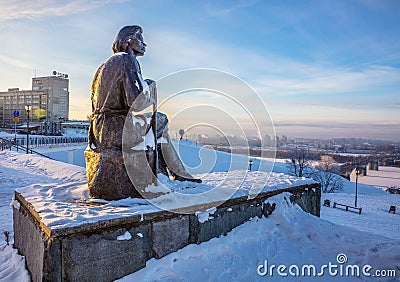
x=129 y=38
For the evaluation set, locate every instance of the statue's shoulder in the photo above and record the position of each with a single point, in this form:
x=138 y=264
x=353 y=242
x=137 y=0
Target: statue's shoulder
x=121 y=58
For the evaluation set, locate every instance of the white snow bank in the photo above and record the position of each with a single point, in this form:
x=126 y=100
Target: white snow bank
x=203 y=159
x=288 y=237
x=363 y=189
x=12 y=265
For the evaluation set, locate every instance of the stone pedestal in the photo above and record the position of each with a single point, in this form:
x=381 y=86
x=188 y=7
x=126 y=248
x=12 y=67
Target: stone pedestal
x=110 y=166
x=110 y=249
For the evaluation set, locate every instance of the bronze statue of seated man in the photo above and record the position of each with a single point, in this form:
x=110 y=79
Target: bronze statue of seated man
x=116 y=165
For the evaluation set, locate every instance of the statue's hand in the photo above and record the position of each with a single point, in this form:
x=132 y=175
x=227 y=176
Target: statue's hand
x=153 y=90
x=150 y=82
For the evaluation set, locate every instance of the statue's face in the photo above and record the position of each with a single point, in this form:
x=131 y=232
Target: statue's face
x=136 y=44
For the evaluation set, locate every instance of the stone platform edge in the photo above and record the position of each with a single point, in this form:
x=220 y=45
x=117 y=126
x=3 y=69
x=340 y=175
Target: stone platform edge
x=109 y=223
x=96 y=252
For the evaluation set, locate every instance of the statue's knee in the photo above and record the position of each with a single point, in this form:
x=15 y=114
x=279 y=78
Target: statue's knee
x=162 y=118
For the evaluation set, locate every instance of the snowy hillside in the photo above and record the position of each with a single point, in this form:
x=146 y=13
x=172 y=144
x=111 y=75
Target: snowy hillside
x=289 y=236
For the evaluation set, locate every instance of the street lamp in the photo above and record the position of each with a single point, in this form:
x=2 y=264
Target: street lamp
x=60 y=120
x=28 y=108
x=357 y=173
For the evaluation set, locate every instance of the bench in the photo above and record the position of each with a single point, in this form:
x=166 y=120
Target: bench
x=348 y=208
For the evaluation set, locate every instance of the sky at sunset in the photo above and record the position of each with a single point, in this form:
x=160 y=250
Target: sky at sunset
x=322 y=68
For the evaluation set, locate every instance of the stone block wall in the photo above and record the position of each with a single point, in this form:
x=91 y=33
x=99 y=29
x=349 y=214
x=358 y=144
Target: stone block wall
x=100 y=252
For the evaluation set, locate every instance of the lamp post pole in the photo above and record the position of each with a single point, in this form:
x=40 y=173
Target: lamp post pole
x=28 y=109
x=59 y=127
x=250 y=164
x=357 y=173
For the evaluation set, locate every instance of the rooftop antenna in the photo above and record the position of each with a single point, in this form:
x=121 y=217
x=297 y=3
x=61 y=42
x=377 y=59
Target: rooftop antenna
x=35 y=73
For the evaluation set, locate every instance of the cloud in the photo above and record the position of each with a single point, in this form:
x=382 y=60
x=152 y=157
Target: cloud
x=268 y=73
x=377 y=125
x=217 y=11
x=175 y=50
x=378 y=130
x=309 y=79
x=291 y=89
x=18 y=9
x=15 y=62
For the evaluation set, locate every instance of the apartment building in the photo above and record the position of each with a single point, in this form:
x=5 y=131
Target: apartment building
x=48 y=98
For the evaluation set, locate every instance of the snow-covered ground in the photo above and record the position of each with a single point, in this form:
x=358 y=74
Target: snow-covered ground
x=289 y=236
x=385 y=177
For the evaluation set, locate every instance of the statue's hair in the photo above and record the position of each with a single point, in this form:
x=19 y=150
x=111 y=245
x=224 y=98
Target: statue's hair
x=121 y=39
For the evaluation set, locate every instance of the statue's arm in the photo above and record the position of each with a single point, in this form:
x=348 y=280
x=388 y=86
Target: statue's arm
x=138 y=96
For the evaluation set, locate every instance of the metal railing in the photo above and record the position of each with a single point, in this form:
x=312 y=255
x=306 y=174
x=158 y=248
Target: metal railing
x=53 y=140
x=9 y=144
x=20 y=143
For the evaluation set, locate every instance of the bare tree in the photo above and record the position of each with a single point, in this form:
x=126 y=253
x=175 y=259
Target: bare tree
x=326 y=174
x=327 y=163
x=299 y=162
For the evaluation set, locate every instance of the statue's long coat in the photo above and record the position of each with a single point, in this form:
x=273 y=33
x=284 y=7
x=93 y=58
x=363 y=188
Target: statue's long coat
x=118 y=87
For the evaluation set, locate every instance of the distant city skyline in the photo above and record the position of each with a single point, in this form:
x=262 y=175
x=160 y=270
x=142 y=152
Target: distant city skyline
x=194 y=135
x=323 y=69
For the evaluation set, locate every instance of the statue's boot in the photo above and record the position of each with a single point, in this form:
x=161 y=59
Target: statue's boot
x=170 y=158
